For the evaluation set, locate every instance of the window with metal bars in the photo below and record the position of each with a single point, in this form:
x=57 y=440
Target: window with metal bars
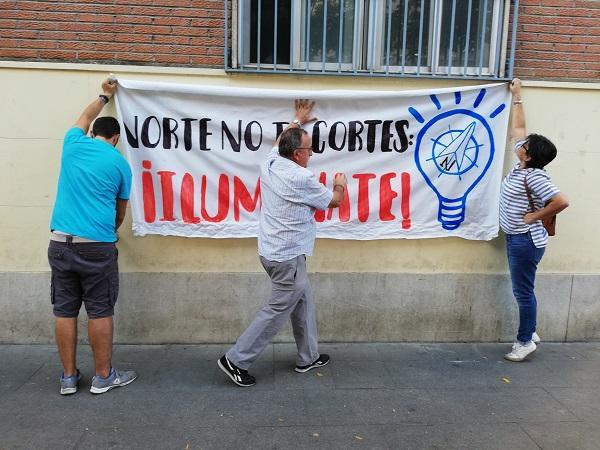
x=453 y=38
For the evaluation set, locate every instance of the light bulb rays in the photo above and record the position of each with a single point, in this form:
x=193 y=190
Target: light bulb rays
x=454 y=150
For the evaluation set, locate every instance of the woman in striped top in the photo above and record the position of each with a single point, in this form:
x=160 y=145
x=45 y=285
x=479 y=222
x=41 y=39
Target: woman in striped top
x=526 y=238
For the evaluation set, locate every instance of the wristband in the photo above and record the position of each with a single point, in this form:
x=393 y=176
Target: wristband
x=518 y=102
x=104 y=98
x=339 y=185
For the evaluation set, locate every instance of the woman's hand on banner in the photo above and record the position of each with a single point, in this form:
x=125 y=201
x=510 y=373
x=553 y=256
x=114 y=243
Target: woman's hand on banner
x=515 y=86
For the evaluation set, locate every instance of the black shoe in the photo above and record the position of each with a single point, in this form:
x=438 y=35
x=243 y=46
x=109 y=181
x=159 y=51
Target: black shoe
x=323 y=360
x=237 y=375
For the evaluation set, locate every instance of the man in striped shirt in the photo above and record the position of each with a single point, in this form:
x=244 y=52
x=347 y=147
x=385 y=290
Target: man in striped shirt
x=290 y=195
x=521 y=220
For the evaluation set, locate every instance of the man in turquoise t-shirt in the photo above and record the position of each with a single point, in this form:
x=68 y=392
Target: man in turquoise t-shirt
x=91 y=199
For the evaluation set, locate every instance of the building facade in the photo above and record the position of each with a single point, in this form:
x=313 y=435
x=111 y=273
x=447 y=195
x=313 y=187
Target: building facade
x=53 y=56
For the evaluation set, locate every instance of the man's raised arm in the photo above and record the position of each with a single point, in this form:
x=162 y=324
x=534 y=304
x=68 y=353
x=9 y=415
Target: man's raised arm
x=109 y=86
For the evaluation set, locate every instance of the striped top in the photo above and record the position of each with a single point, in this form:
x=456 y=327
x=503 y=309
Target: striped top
x=514 y=203
x=290 y=195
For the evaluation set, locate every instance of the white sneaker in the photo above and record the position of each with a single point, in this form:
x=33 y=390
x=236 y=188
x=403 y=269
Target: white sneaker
x=519 y=351
x=536 y=338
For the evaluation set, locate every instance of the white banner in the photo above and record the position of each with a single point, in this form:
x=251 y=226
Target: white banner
x=420 y=164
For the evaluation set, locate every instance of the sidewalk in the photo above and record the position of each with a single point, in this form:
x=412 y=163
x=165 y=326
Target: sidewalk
x=371 y=396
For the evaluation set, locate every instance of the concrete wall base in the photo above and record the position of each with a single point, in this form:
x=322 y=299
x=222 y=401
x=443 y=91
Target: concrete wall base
x=158 y=308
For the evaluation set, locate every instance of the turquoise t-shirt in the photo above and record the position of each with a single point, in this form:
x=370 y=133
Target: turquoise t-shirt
x=93 y=174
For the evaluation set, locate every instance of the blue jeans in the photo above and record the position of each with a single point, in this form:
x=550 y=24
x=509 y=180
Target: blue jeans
x=523 y=258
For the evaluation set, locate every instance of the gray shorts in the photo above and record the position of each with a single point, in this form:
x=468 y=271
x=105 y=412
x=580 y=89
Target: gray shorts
x=83 y=273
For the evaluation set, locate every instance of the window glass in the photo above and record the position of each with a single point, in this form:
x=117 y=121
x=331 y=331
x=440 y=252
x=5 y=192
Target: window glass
x=267 y=31
x=460 y=32
x=321 y=27
x=395 y=32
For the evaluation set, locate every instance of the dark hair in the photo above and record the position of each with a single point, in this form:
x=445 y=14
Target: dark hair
x=289 y=141
x=541 y=151
x=106 y=127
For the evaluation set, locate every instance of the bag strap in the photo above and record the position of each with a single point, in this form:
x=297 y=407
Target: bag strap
x=528 y=192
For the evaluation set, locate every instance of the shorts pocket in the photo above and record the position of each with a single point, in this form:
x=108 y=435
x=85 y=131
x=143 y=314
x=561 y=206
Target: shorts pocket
x=55 y=253
x=94 y=255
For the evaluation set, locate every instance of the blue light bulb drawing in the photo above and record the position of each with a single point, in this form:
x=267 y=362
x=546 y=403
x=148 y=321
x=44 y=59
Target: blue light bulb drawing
x=453 y=152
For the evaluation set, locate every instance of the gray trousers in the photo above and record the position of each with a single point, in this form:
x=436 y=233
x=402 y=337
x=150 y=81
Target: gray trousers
x=291 y=296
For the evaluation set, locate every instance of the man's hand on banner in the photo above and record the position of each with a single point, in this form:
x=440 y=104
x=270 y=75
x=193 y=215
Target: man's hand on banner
x=304 y=111
x=109 y=86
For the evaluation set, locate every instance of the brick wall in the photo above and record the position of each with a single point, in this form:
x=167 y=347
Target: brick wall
x=556 y=39
x=153 y=32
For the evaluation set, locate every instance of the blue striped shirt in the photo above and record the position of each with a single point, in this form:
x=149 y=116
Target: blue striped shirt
x=290 y=195
x=514 y=203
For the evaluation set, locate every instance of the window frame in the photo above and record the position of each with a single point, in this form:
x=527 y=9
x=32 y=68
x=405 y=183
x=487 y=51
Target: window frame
x=369 y=40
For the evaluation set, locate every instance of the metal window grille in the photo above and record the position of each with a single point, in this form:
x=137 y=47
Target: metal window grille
x=410 y=38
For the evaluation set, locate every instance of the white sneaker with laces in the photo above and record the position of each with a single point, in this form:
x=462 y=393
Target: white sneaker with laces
x=536 y=338
x=519 y=351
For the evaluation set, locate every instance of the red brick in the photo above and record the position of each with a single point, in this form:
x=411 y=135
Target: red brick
x=558 y=12
x=95 y=55
x=562 y=3
x=193 y=31
x=214 y=51
x=585 y=39
x=591 y=75
x=593 y=4
x=75 y=26
x=595 y=31
x=95 y=18
x=111 y=28
x=211 y=23
x=539 y=37
x=572 y=48
x=152 y=29
x=200 y=4
x=137 y=38
x=56 y=54
x=134 y=57
x=190 y=31
x=595 y=65
x=541 y=46
x=21 y=15
x=57 y=35
x=554 y=20
x=17 y=53
x=207 y=60
x=172 y=3
x=35 y=43
x=207 y=41
x=177 y=21
x=35 y=25
x=5 y=23
x=555 y=56
x=16 y=34
x=133 y=19
x=180 y=40
x=172 y=59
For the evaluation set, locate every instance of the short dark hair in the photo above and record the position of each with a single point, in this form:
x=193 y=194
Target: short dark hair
x=106 y=127
x=541 y=151
x=290 y=140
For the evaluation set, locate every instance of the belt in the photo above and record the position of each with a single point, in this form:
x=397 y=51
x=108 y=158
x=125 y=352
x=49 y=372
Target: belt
x=67 y=238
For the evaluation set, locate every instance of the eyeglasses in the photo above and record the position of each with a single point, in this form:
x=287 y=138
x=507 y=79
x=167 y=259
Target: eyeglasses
x=305 y=148
x=522 y=144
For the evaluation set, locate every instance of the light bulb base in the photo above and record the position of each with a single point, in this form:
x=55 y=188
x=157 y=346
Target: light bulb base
x=451 y=212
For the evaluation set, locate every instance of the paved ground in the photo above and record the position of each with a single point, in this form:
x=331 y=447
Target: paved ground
x=371 y=396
